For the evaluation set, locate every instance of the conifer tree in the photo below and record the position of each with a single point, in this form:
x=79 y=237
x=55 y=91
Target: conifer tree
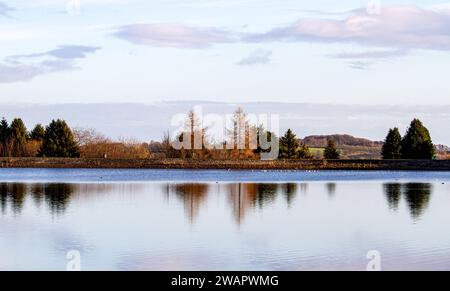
x=4 y=138
x=18 y=136
x=37 y=133
x=417 y=143
x=392 y=145
x=291 y=148
x=59 y=141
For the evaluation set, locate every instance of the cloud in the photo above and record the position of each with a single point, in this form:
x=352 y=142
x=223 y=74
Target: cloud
x=17 y=73
x=63 y=52
x=374 y=54
x=64 y=2
x=256 y=58
x=5 y=10
x=359 y=65
x=22 y=68
x=363 y=60
x=174 y=35
x=392 y=32
x=402 y=27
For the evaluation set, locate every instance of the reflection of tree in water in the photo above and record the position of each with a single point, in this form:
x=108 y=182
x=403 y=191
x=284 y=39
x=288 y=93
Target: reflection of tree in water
x=4 y=197
x=241 y=198
x=303 y=188
x=37 y=193
x=331 y=189
x=58 y=196
x=289 y=192
x=266 y=194
x=18 y=193
x=15 y=194
x=250 y=195
x=417 y=196
x=192 y=196
x=393 y=192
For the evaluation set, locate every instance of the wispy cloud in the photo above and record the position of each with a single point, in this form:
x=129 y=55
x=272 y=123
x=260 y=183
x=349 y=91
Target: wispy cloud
x=406 y=27
x=373 y=54
x=22 y=68
x=64 y=2
x=5 y=10
x=256 y=58
x=399 y=29
x=359 y=65
x=63 y=52
x=174 y=35
x=385 y=33
x=363 y=60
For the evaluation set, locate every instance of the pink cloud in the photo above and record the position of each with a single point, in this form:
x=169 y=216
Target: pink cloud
x=395 y=26
x=173 y=35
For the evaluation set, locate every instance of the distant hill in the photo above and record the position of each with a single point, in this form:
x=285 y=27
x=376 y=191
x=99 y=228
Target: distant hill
x=341 y=139
x=443 y=148
x=358 y=148
x=443 y=152
x=351 y=147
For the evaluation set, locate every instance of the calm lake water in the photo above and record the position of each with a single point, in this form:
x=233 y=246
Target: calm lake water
x=223 y=220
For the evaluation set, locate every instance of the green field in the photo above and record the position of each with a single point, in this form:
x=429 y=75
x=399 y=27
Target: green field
x=317 y=152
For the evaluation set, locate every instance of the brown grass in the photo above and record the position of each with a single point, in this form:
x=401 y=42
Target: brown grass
x=422 y=165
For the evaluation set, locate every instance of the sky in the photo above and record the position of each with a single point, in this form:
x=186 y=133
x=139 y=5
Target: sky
x=147 y=51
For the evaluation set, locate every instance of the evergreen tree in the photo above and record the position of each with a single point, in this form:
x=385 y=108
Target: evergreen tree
x=4 y=131
x=37 y=133
x=303 y=152
x=290 y=147
x=18 y=136
x=18 y=132
x=417 y=143
x=4 y=138
x=331 y=152
x=392 y=145
x=59 y=141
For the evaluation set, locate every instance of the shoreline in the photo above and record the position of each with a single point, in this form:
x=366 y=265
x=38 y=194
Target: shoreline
x=85 y=163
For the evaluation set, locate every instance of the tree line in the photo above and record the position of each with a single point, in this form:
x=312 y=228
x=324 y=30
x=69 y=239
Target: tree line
x=240 y=133
x=55 y=140
x=416 y=144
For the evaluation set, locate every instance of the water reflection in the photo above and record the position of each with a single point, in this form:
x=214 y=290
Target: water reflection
x=303 y=188
x=244 y=197
x=289 y=192
x=393 y=192
x=193 y=196
x=37 y=193
x=240 y=197
x=331 y=189
x=14 y=194
x=265 y=194
x=57 y=197
x=416 y=195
